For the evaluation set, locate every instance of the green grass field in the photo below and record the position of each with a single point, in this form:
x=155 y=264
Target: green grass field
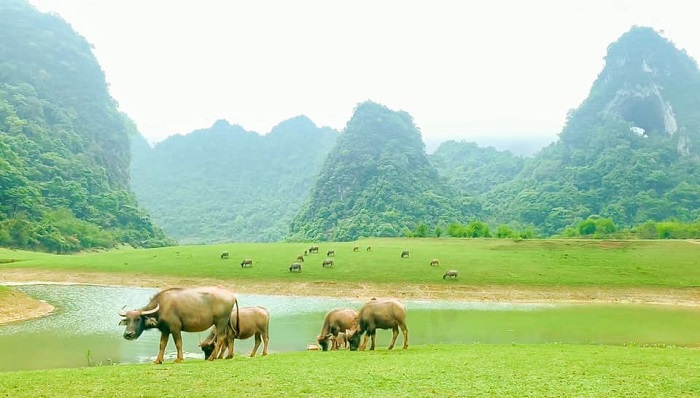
x=556 y=370
x=552 y=370
x=672 y=264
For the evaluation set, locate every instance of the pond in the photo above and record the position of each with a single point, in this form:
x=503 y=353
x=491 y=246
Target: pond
x=84 y=329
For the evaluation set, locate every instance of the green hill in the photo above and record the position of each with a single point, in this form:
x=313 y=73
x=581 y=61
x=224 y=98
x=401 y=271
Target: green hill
x=64 y=146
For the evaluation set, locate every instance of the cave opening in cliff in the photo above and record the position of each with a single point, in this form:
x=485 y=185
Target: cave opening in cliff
x=646 y=114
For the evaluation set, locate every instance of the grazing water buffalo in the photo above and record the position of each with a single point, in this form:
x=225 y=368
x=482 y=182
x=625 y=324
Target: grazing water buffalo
x=434 y=262
x=369 y=248
x=379 y=314
x=356 y=248
x=450 y=274
x=330 y=253
x=295 y=267
x=300 y=258
x=313 y=249
x=327 y=263
x=253 y=321
x=247 y=262
x=405 y=253
x=335 y=322
x=224 y=255
x=177 y=310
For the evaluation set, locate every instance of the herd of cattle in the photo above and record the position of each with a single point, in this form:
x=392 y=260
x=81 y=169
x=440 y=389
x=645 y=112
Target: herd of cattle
x=196 y=309
x=328 y=261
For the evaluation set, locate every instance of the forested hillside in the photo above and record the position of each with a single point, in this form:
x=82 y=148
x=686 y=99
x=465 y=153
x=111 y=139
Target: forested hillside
x=630 y=152
x=225 y=184
x=64 y=146
x=376 y=181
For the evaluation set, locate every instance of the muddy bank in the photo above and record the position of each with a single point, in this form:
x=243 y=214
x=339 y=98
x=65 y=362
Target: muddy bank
x=16 y=306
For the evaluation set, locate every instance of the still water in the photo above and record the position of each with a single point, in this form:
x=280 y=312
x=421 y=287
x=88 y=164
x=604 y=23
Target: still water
x=83 y=330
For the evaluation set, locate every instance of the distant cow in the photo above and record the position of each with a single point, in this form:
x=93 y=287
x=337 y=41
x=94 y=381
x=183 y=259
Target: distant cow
x=327 y=263
x=247 y=262
x=295 y=267
x=434 y=262
x=369 y=248
x=300 y=258
x=330 y=253
x=405 y=253
x=253 y=321
x=313 y=249
x=224 y=255
x=356 y=248
x=450 y=274
x=336 y=321
x=379 y=314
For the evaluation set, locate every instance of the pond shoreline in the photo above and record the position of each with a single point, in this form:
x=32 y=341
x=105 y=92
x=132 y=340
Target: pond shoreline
x=360 y=291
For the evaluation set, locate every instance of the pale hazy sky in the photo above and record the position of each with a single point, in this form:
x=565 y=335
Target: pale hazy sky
x=462 y=69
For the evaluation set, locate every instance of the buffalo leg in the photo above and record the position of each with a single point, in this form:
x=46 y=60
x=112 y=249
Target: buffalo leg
x=257 y=344
x=266 y=339
x=161 y=350
x=394 y=335
x=177 y=336
x=374 y=339
x=404 y=329
x=364 y=342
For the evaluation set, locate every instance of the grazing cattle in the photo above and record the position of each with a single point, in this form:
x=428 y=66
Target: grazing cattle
x=224 y=255
x=313 y=249
x=434 y=262
x=296 y=267
x=177 y=310
x=253 y=321
x=379 y=314
x=356 y=248
x=247 y=262
x=327 y=263
x=335 y=322
x=306 y=252
x=330 y=253
x=300 y=258
x=369 y=248
x=405 y=253
x=450 y=274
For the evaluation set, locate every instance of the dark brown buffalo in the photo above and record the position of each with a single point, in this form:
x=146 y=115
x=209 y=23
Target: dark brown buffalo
x=300 y=258
x=335 y=322
x=327 y=263
x=177 y=310
x=247 y=262
x=224 y=255
x=295 y=267
x=369 y=248
x=379 y=314
x=330 y=253
x=405 y=253
x=450 y=274
x=313 y=249
x=253 y=321
x=356 y=248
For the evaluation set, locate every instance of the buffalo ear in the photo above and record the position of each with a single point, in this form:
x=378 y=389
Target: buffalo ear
x=123 y=322
x=151 y=322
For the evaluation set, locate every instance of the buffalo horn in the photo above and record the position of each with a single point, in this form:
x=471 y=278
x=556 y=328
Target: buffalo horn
x=149 y=312
x=122 y=312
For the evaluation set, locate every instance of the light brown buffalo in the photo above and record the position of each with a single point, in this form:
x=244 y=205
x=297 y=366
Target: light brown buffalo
x=253 y=321
x=177 y=310
x=379 y=314
x=434 y=262
x=327 y=263
x=335 y=322
x=450 y=273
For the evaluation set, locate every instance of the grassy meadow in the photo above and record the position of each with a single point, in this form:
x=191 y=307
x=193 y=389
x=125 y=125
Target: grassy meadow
x=552 y=370
x=669 y=264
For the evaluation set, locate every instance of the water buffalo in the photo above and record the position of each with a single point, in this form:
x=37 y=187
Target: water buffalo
x=356 y=248
x=224 y=255
x=247 y=262
x=253 y=321
x=177 y=310
x=330 y=253
x=379 y=314
x=327 y=263
x=450 y=274
x=434 y=262
x=369 y=248
x=405 y=253
x=313 y=249
x=340 y=341
x=295 y=267
x=300 y=258
x=335 y=322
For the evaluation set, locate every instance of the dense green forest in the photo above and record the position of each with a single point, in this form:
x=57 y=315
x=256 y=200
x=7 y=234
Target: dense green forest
x=225 y=184
x=64 y=146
